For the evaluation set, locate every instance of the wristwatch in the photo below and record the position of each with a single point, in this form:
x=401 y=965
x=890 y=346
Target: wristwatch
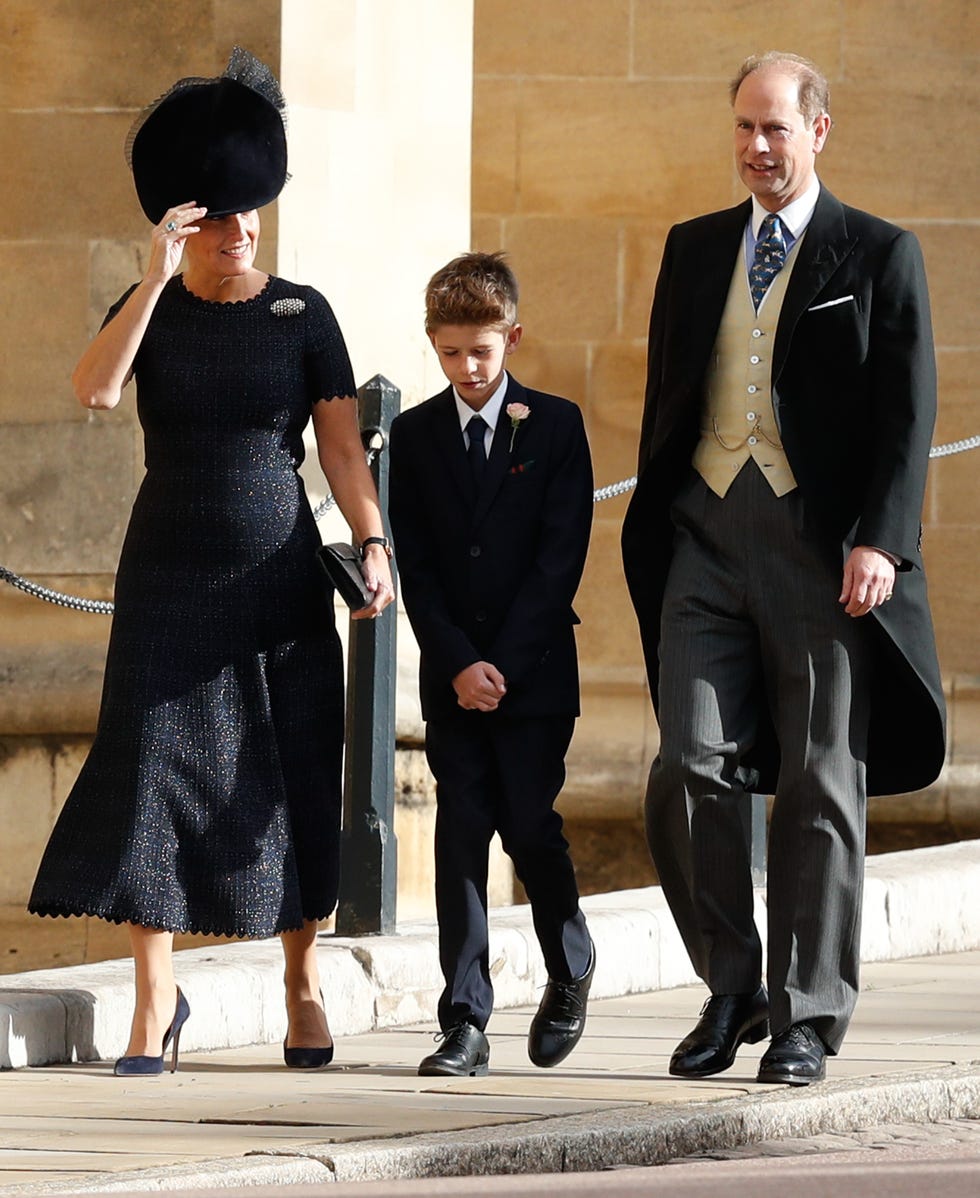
x=382 y=541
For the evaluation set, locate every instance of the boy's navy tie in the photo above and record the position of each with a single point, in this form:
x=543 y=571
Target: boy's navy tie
x=476 y=429
x=770 y=254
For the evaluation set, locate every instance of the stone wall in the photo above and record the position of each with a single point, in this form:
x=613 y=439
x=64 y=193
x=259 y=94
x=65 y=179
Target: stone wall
x=595 y=128
x=379 y=95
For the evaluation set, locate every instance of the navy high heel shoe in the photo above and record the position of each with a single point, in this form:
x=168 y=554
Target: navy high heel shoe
x=307 y=1058
x=141 y=1066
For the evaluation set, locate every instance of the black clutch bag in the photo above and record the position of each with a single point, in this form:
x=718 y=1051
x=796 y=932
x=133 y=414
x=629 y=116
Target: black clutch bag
x=342 y=565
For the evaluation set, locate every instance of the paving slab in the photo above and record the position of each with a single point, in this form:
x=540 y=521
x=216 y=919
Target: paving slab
x=917 y=902
x=236 y=1117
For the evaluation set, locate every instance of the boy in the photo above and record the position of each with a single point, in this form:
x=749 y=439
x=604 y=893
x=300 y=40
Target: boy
x=491 y=510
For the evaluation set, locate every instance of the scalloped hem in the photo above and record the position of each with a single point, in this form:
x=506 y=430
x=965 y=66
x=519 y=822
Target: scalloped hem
x=52 y=911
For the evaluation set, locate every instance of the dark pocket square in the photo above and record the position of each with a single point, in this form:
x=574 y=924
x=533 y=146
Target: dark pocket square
x=521 y=467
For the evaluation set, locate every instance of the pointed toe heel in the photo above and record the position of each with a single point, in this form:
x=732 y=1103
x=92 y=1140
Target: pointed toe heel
x=137 y=1066
x=307 y=1058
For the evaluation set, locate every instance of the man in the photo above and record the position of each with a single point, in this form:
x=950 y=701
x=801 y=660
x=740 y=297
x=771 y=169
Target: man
x=772 y=550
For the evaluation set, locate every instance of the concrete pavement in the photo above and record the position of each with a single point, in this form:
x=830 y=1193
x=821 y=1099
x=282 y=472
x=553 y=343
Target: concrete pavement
x=233 y=1115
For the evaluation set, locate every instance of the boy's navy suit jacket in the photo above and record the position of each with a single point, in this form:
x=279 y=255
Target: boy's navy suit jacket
x=489 y=573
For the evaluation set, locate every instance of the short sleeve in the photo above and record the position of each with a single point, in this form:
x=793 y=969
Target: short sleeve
x=114 y=310
x=327 y=364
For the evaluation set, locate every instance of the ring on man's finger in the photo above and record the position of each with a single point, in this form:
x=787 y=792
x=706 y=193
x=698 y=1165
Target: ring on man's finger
x=889 y=595
x=171 y=226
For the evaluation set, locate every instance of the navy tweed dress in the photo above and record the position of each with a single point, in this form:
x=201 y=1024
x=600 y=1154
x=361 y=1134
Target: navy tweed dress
x=210 y=800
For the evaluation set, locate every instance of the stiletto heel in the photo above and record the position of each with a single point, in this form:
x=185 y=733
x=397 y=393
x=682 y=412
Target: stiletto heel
x=307 y=1058
x=147 y=1066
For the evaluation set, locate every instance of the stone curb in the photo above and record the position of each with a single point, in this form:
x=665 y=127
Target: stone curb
x=585 y=1143
x=916 y=903
x=223 y=1174
x=577 y=1143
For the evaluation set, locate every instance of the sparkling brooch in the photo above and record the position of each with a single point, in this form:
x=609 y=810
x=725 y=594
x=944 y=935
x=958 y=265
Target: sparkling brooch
x=287 y=307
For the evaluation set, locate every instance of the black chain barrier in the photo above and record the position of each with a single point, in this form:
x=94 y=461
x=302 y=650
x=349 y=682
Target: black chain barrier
x=103 y=607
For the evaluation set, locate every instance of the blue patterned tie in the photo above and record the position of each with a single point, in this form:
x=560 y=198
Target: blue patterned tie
x=770 y=254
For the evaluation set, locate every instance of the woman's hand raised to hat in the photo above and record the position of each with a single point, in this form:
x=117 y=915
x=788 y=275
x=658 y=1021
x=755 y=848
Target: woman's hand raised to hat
x=107 y=365
x=167 y=244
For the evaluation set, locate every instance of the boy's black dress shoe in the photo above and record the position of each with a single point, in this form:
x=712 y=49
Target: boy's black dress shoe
x=465 y=1052
x=796 y=1057
x=560 y=1020
x=727 y=1020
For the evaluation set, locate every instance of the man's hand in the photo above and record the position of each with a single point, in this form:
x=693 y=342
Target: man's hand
x=479 y=687
x=869 y=579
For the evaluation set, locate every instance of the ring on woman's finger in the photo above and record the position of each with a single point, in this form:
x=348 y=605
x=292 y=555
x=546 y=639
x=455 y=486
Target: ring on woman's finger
x=171 y=226
x=889 y=595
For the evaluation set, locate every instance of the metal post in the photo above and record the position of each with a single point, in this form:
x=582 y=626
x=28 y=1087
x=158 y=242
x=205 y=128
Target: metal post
x=369 y=850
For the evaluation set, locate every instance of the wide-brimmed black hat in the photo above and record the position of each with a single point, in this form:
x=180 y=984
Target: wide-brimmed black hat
x=220 y=142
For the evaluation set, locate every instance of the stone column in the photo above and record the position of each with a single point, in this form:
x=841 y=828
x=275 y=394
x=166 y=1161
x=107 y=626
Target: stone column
x=380 y=99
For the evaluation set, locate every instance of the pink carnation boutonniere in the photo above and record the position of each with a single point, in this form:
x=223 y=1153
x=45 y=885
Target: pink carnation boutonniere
x=517 y=412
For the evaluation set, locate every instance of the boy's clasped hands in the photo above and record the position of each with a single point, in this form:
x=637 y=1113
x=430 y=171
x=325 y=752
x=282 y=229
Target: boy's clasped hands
x=480 y=687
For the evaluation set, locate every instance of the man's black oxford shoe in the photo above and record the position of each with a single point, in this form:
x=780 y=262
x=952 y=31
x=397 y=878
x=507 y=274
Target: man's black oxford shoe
x=560 y=1020
x=465 y=1052
x=727 y=1020
x=796 y=1057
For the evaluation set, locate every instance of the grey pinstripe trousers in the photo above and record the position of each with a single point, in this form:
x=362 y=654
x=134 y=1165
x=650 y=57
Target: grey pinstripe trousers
x=751 y=616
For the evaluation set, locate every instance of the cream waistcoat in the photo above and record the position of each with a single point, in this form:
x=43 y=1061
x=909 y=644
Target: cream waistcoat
x=737 y=420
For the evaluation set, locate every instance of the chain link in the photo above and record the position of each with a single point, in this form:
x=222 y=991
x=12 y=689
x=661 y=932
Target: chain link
x=98 y=607
x=102 y=607
x=613 y=490
x=328 y=501
x=943 y=451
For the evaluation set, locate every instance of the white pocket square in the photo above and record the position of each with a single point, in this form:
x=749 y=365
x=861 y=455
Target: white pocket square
x=844 y=299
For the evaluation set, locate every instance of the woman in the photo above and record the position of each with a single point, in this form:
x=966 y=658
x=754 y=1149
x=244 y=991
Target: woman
x=210 y=801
